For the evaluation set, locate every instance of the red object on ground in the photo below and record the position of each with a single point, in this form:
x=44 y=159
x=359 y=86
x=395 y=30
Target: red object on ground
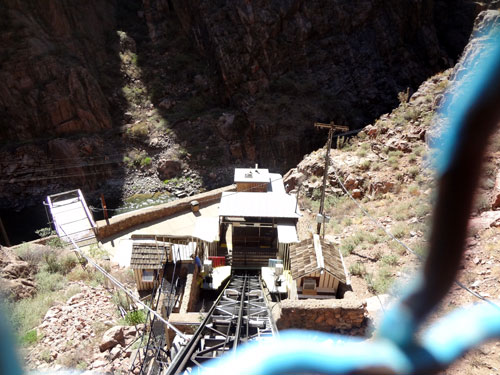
x=217 y=261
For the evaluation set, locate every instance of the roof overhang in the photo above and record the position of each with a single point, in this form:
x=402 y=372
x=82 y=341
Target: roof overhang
x=245 y=204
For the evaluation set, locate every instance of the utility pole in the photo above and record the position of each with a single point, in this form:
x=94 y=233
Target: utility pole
x=331 y=129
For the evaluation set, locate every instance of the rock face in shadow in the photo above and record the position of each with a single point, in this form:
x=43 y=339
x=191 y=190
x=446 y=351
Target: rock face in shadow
x=285 y=64
x=71 y=76
x=51 y=66
x=54 y=68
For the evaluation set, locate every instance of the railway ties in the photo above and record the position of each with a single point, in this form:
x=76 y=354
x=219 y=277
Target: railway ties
x=239 y=315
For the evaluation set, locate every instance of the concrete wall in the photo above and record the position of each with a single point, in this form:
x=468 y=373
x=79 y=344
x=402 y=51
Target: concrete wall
x=128 y=220
x=326 y=315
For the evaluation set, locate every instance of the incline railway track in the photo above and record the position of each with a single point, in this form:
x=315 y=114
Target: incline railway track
x=240 y=314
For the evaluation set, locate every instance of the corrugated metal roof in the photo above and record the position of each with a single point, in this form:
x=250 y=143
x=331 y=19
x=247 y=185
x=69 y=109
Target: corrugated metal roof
x=304 y=261
x=251 y=175
x=244 y=204
x=287 y=233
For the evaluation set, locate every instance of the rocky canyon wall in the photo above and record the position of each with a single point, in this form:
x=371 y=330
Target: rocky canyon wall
x=285 y=64
x=264 y=72
x=55 y=61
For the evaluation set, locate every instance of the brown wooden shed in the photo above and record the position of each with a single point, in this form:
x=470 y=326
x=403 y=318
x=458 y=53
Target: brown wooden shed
x=147 y=261
x=318 y=269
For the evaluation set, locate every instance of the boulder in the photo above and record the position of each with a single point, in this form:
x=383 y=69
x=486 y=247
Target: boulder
x=111 y=338
x=381 y=187
x=356 y=193
x=16 y=270
x=488 y=219
x=169 y=168
x=17 y=289
x=371 y=131
x=400 y=145
x=351 y=182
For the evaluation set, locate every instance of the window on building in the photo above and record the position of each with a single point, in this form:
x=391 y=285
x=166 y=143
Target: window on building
x=148 y=276
x=309 y=283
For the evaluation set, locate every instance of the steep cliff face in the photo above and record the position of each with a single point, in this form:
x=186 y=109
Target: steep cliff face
x=54 y=104
x=103 y=94
x=51 y=64
x=285 y=64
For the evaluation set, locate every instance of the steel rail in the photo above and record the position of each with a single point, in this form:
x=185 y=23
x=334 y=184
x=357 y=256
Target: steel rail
x=237 y=333
x=180 y=361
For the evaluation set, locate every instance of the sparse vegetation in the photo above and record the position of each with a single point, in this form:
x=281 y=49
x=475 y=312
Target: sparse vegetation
x=135 y=317
x=137 y=158
x=390 y=260
x=30 y=338
x=357 y=269
x=381 y=283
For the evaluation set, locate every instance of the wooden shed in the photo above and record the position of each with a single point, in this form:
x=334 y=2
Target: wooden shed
x=147 y=261
x=318 y=269
x=251 y=179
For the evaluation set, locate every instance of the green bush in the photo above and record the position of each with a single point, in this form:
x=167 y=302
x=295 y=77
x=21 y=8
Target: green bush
x=45 y=232
x=34 y=256
x=51 y=263
x=49 y=282
x=135 y=317
x=30 y=338
x=381 y=283
x=29 y=312
x=146 y=161
x=365 y=165
x=120 y=300
x=399 y=230
x=67 y=263
x=138 y=131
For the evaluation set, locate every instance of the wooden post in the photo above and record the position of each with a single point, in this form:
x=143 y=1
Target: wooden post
x=331 y=128
x=104 y=208
x=4 y=233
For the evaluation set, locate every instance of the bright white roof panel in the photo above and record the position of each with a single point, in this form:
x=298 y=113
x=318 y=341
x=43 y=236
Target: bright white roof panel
x=206 y=228
x=251 y=175
x=245 y=204
x=277 y=183
x=287 y=233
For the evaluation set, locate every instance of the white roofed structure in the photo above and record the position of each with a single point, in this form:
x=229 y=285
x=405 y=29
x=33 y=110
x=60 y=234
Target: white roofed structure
x=258 y=221
x=270 y=205
x=251 y=175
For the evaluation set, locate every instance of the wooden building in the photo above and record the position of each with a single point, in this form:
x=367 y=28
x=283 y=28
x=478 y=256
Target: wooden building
x=147 y=261
x=318 y=269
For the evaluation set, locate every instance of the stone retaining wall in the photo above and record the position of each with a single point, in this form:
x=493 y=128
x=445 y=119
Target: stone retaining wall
x=321 y=315
x=125 y=221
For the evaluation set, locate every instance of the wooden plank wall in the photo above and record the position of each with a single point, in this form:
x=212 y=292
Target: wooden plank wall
x=284 y=254
x=326 y=280
x=251 y=187
x=142 y=285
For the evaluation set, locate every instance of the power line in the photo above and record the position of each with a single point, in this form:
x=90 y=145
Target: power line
x=123 y=288
x=375 y=221
x=118 y=158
